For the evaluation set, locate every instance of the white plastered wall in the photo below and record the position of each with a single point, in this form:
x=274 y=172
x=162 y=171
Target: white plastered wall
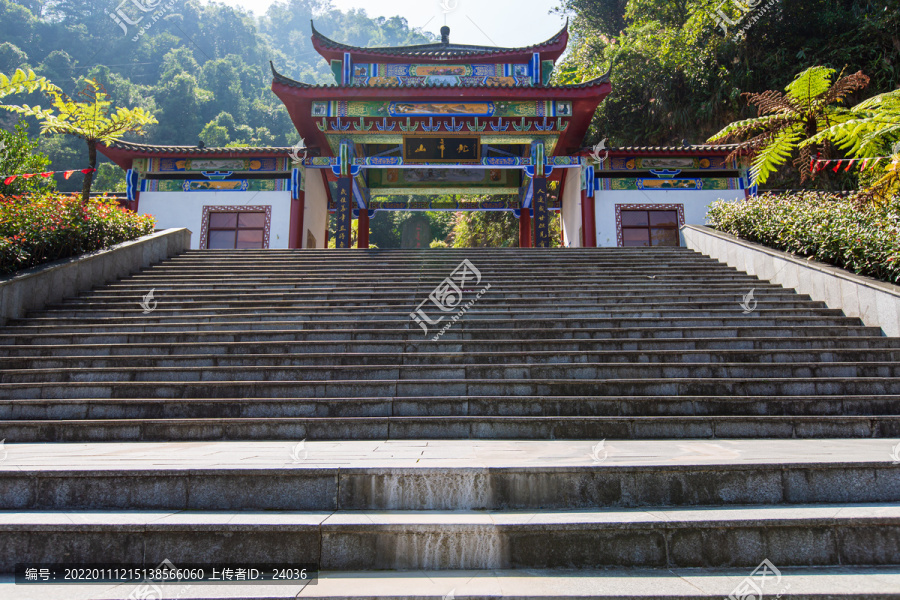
x=315 y=216
x=571 y=209
x=185 y=209
x=695 y=202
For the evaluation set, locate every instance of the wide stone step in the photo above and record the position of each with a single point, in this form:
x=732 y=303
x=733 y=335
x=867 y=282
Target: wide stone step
x=447 y=406
x=454 y=427
x=164 y=313
x=445 y=475
x=460 y=333
x=333 y=295
x=494 y=348
x=634 y=302
x=279 y=358
x=456 y=373
x=818 y=535
x=544 y=317
x=770 y=386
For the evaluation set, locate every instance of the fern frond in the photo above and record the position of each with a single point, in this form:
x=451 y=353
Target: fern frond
x=844 y=87
x=741 y=128
x=772 y=102
x=810 y=84
x=24 y=82
x=775 y=154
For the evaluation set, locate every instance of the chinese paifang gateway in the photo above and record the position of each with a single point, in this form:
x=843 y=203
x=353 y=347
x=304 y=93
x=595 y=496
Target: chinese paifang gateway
x=432 y=121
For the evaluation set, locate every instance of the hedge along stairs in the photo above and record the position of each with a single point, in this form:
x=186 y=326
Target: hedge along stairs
x=626 y=409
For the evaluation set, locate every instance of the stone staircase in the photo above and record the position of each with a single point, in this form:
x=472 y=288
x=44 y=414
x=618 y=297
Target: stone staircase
x=283 y=407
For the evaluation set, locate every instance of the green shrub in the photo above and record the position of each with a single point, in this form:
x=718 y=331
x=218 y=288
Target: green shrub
x=840 y=231
x=39 y=229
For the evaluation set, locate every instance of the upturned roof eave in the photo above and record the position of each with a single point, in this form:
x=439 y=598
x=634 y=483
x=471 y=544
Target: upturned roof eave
x=330 y=49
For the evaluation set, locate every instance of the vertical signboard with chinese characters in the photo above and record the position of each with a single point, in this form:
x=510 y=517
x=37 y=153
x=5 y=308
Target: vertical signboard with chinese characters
x=343 y=217
x=541 y=214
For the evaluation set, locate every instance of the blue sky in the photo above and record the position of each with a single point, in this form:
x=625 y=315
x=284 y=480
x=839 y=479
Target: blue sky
x=510 y=23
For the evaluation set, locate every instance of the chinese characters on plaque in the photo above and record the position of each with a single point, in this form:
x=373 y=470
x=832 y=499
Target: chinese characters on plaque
x=441 y=149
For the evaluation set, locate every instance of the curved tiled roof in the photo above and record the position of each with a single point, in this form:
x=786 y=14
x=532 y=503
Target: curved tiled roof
x=666 y=149
x=153 y=149
x=440 y=49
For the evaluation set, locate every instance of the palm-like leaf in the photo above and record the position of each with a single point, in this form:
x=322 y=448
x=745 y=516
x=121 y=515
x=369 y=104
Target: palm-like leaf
x=871 y=128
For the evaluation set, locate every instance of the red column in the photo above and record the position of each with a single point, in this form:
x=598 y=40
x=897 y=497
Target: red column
x=298 y=212
x=362 y=241
x=588 y=222
x=525 y=228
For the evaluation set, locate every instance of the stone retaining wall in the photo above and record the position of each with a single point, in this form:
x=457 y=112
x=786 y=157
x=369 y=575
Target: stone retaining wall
x=35 y=288
x=875 y=302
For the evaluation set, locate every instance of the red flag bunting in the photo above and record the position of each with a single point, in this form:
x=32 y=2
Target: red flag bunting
x=837 y=167
x=849 y=164
x=47 y=174
x=68 y=174
x=9 y=180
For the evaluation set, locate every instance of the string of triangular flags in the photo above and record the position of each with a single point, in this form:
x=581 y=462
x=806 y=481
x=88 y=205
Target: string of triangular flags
x=8 y=179
x=818 y=165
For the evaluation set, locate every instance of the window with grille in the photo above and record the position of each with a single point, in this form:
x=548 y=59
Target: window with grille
x=650 y=228
x=236 y=231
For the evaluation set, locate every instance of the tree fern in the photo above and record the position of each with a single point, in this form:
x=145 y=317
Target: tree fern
x=94 y=119
x=789 y=121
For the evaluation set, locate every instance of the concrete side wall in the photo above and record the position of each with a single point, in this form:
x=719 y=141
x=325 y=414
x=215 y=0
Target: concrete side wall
x=696 y=205
x=876 y=303
x=185 y=209
x=315 y=218
x=35 y=288
x=571 y=209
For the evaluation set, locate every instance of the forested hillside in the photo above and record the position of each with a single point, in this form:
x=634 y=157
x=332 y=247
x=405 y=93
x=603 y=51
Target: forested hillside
x=678 y=75
x=202 y=69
